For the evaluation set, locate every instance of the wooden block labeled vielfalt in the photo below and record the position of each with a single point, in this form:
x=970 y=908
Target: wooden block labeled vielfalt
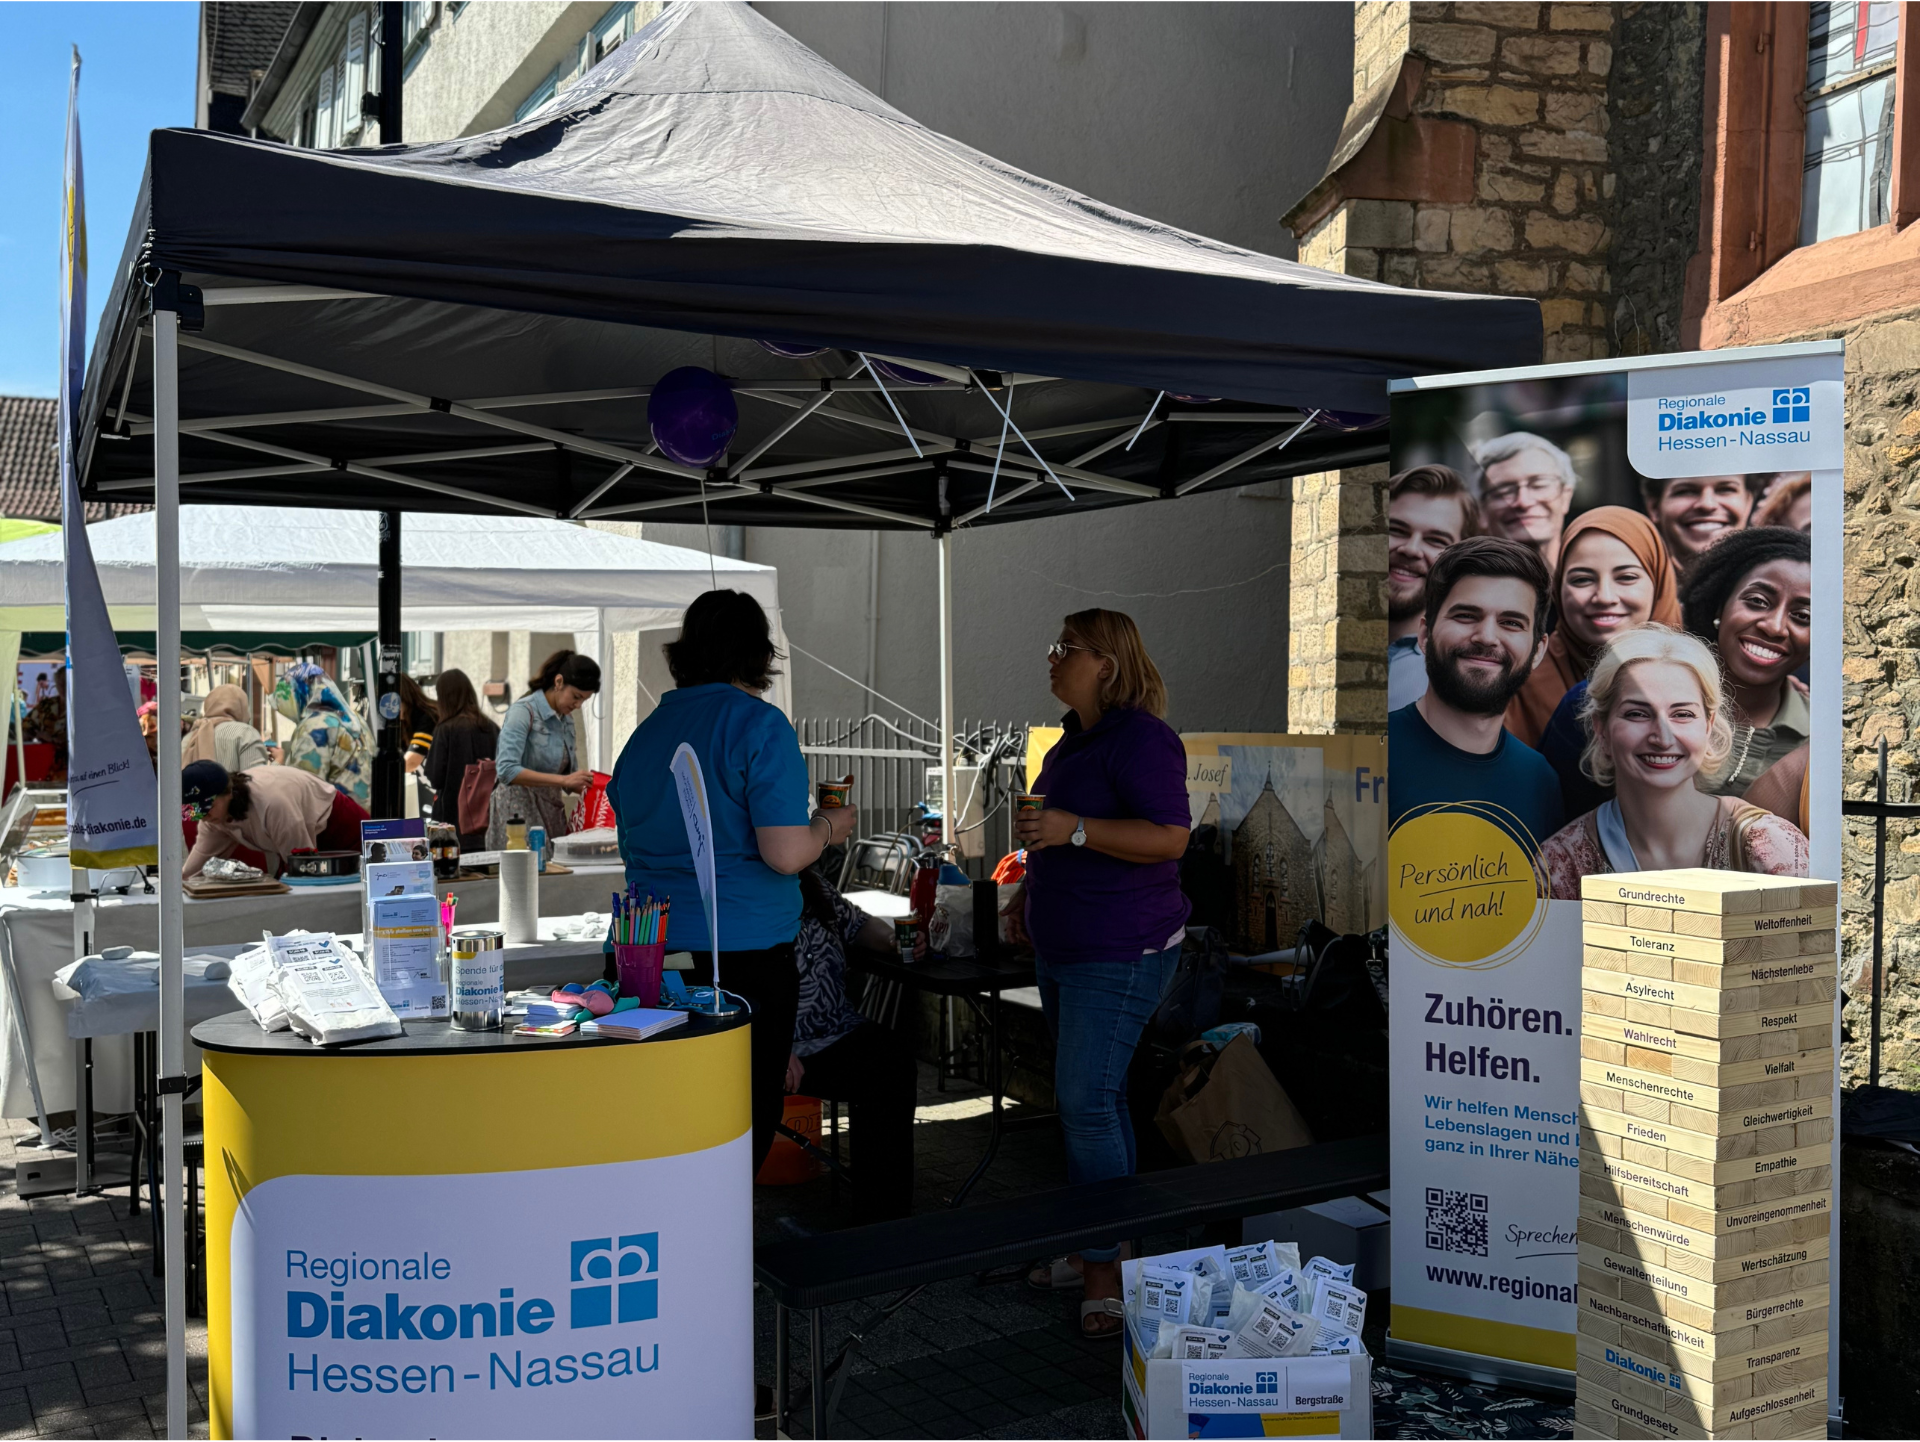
x=1705 y=1232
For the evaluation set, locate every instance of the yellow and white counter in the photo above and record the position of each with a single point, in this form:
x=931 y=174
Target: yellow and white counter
x=456 y=1234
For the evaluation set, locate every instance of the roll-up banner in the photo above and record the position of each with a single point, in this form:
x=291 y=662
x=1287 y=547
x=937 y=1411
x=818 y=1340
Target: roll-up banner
x=1614 y=645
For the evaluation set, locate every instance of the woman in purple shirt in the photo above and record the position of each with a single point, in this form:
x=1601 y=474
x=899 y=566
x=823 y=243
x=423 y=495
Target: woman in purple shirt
x=1103 y=906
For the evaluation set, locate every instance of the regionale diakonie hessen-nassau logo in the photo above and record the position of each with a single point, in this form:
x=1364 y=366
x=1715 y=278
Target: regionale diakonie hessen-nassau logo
x=609 y=1268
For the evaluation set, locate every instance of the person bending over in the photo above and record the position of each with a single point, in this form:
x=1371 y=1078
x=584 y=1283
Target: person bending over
x=274 y=810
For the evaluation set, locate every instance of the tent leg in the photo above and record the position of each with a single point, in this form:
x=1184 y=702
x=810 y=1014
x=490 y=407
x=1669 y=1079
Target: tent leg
x=389 y=765
x=172 y=1082
x=604 y=701
x=949 y=821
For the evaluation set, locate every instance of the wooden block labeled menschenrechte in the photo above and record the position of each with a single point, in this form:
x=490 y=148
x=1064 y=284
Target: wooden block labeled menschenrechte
x=1699 y=1096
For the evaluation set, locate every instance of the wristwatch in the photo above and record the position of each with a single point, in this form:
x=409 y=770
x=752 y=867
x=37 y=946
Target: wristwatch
x=1080 y=832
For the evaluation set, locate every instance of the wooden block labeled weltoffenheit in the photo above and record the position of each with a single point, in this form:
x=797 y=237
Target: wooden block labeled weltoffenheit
x=1700 y=889
x=1760 y=923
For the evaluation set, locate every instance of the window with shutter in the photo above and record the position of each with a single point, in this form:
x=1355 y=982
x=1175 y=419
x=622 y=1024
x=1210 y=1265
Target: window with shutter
x=323 y=111
x=354 y=67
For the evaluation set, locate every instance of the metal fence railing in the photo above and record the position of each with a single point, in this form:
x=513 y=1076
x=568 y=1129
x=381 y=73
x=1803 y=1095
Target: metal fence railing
x=1879 y=811
x=890 y=759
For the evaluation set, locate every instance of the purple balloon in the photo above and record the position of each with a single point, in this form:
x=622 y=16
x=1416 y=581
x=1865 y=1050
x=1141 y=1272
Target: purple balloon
x=791 y=352
x=693 y=416
x=906 y=375
x=1349 y=420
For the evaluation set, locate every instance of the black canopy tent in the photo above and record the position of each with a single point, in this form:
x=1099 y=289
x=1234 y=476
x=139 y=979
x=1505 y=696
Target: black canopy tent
x=475 y=325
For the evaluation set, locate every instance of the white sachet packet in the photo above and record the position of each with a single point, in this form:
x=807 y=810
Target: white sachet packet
x=328 y=997
x=248 y=980
x=1274 y=1330
x=1337 y=1344
x=1318 y=1269
x=1288 y=1287
x=1339 y=1306
x=1165 y=1297
x=1199 y=1344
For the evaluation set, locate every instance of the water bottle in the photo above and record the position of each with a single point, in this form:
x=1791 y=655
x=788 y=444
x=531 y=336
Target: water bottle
x=537 y=844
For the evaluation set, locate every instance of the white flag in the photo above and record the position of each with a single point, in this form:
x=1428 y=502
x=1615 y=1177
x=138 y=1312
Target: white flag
x=691 y=787
x=112 y=795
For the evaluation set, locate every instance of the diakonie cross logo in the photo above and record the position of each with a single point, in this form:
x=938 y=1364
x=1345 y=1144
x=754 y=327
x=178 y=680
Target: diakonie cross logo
x=597 y=1262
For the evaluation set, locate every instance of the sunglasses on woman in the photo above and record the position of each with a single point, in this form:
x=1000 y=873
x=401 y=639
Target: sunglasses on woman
x=1058 y=650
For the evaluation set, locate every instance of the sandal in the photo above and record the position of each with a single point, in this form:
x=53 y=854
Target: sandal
x=1059 y=1275
x=1102 y=1307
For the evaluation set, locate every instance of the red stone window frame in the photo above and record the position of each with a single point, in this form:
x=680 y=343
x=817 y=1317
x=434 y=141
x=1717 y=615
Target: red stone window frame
x=1751 y=281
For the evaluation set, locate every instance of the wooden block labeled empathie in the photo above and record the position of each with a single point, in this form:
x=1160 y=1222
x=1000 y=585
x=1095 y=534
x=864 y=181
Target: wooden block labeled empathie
x=1705 y=1231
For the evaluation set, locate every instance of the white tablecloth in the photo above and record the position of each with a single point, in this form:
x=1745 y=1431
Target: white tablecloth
x=41 y=926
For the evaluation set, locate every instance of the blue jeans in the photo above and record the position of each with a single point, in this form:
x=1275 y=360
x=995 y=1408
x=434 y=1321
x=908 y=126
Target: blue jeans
x=1096 y=1011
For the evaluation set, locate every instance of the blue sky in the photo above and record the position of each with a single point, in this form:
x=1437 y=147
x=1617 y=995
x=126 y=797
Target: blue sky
x=137 y=75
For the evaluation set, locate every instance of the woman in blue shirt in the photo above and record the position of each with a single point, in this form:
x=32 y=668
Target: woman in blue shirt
x=534 y=760
x=762 y=834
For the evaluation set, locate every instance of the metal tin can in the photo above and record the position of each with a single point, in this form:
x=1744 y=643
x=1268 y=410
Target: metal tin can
x=537 y=844
x=906 y=933
x=479 y=977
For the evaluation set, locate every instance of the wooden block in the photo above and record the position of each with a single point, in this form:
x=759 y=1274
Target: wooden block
x=1681 y=1240
x=1600 y=1409
x=1709 y=1309
x=1746 y=973
x=1672 y=944
x=1754 y=1142
x=1603 y=1097
x=1654 y=1279
x=1700 y=1097
x=1703 y=889
x=1651 y=1377
x=1738 y=1073
x=1706 y=1048
x=1643 y=1238
x=1640 y=918
x=1677 y=995
x=1614 y=1318
x=1606 y=913
x=1722 y=1366
x=1758 y=923
x=1814 y=1200
x=1697 y=1205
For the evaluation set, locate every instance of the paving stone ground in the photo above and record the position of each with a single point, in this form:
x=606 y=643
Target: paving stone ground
x=82 y=1334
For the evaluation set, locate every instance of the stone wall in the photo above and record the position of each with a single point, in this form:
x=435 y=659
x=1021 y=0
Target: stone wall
x=1532 y=80
x=1881 y=674
x=1337 y=619
x=1654 y=96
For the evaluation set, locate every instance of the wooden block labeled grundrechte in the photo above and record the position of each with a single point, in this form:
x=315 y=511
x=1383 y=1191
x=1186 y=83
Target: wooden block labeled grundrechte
x=1706 y=1181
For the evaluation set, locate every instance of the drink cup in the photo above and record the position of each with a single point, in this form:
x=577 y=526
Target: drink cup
x=906 y=935
x=835 y=794
x=1027 y=803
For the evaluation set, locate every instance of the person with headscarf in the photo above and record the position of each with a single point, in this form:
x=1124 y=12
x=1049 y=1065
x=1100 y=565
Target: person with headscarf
x=329 y=738
x=1613 y=574
x=225 y=733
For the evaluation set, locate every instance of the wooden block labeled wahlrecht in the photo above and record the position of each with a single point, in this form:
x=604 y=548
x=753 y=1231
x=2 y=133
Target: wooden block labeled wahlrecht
x=1777 y=1042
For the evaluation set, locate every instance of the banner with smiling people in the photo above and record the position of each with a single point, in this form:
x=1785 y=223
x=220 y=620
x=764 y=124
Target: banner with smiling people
x=1614 y=645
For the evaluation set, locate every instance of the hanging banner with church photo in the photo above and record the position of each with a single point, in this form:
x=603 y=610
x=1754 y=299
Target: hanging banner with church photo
x=1614 y=645
x=1292 y=829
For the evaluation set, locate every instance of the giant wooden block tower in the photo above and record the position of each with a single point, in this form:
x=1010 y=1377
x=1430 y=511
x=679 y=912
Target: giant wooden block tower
x=1706 y=1128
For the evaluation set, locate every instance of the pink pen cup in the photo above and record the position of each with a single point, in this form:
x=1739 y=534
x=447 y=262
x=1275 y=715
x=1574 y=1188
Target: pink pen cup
x=638 y=968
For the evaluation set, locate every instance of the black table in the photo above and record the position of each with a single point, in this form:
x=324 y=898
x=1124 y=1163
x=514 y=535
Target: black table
x=967 y=978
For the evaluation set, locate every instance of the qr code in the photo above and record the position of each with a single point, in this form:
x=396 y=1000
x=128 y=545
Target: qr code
x=1456 y=1222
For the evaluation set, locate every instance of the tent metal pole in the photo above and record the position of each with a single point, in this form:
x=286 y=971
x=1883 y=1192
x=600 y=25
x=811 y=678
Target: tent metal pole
x=949 y=822
x=172 y=1081
x=389 y=775
x=605 y=699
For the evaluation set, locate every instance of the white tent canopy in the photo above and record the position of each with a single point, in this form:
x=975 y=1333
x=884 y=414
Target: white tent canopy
x=264 y=568
x=296 y=571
